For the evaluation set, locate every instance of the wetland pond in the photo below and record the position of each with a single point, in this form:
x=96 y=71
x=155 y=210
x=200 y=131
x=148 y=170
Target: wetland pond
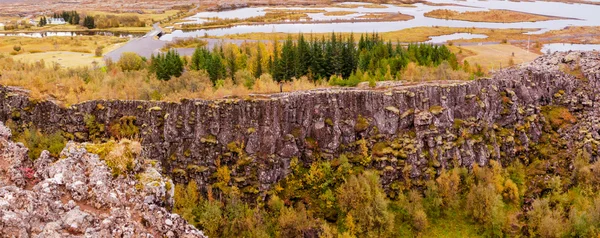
x=574 y=14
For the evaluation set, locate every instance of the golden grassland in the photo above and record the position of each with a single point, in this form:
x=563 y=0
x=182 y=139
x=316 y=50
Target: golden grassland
x=347 y=5
x=185 y=43
x=494 y=56
x=416 y=34
x=571 y=34
x=48 y=28
x=339 y=13
x=269 y=17
x=461 y=52
x=80 y=44
x=8 y=18
x=147 y=15
x=503 y=16
x=387 y=16
x=74 y=85
x=62 y=58
x=404 y=5
x=79 y=28
x=292 y=11
x=374 y=6
x=274 y=16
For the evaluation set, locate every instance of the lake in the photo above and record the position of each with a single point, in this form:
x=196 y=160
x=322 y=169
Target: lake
x=582 y=14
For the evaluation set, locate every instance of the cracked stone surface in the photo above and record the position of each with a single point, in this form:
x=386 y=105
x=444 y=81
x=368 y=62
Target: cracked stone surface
x=77 y=196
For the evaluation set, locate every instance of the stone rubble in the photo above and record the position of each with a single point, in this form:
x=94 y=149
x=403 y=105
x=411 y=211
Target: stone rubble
x=77 y=196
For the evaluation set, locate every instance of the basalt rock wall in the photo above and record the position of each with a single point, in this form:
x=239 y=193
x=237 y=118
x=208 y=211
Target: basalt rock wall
x=419 y=128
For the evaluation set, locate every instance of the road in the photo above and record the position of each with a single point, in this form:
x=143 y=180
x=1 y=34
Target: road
x=147 y=45
x=144 y=46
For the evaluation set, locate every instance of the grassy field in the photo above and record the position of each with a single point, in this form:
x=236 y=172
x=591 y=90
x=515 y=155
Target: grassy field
x=503 y=16
x=417 y=34
x=146 y=16
x=80 y=44
x=78 y=28
x=339 y=13
x=63 y=58
x=495 y=56
x=65 y=51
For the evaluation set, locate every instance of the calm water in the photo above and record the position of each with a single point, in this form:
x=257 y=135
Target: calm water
x=455 y=36
x=585 y=14
x=566 y=47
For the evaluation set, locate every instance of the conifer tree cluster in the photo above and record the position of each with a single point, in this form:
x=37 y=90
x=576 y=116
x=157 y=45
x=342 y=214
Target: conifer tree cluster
x=167 y=65
x=72 y=17
x=212 y=62
x=323 y=58
x=88 y=22
x=43 y=21
x=318 y=58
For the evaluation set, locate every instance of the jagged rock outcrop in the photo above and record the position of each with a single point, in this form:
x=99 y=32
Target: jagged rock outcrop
x=77 y=196
x=413 y=129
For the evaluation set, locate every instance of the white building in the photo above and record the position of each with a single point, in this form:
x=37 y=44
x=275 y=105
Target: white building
x=55 y=21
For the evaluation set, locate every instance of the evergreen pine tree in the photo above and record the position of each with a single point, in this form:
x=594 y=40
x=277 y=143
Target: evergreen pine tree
x=200 y=59
x=231 y=62
x=88 y=22
x=167 y=65
x=275 y=64
x=215 y=68
x=303 y=57
x=258 y=71
x=288 y=60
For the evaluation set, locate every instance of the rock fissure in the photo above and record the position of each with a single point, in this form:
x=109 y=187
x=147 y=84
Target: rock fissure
x=423 y=127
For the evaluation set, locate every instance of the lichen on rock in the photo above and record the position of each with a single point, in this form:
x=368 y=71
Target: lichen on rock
x=77 y=196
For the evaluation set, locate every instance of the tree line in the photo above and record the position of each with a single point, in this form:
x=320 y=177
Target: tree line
x=336 y=60
x=321 y=58
x=70 y=17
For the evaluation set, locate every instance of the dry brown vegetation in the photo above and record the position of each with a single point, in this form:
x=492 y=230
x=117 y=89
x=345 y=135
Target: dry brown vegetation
x=416 y=34
x=387 y=16
x=494 y=56
x=35 y=7
x=339 y=13
x=494 y=15
x=74 y=85
x=269 y=17
x=276 y=16
x=184 y=43
x=70 y=86
x=80 y=44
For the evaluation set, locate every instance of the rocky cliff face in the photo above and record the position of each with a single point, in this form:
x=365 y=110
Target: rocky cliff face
x=76 y=196
x=407 y=130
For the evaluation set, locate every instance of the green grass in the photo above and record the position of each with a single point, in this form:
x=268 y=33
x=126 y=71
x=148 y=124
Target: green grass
x=455 y=224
